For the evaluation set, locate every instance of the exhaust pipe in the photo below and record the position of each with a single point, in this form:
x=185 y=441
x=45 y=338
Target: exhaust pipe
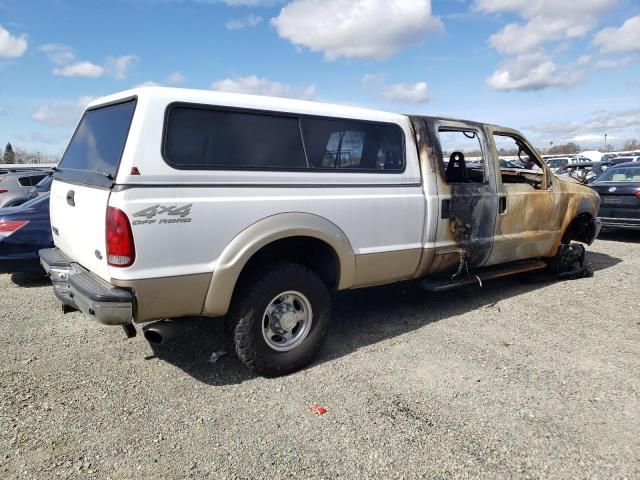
x=160 y=332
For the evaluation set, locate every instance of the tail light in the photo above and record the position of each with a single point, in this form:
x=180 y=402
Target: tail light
x=10 y=227
x=121 y=251
x=3 y=191
x=638 y=194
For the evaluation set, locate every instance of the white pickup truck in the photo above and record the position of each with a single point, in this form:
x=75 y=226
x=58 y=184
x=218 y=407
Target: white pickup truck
x=171 y=202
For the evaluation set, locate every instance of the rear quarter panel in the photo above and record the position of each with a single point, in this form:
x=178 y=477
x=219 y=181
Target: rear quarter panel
x=374 y=219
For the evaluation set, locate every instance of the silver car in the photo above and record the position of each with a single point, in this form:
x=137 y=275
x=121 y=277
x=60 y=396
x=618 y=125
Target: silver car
x=17 y=187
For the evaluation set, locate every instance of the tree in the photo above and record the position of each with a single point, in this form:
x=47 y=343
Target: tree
x=565 y=149
x=9 y=156
x=631 y=144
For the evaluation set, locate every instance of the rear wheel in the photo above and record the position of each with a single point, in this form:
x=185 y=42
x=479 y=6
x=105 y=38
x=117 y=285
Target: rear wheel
x=279 y=318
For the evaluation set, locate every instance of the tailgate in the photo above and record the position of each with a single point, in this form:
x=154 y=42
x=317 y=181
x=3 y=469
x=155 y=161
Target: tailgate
x=78 y=214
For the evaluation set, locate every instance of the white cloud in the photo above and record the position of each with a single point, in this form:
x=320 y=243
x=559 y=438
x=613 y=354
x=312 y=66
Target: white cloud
x=148 y=83
x=231 y=3
x=609 y=122
x=10 y=45
x=64 y=58
x=57 y=53
x=532 y=71
x=42 y=138
x=519 y=38
x=173 y=79
x=356 y=28
x=118 y=67
x=399 y=92
x=60 y=113
x=532 y=8
x=592 y=138
x=583 y=60
x=246 y=22
x=176 y=78
x=546 y=21
x=607 y=64
x=408 y=92
x=80 y=69
x=623 y=39
x=244 y=3
x=262 y=86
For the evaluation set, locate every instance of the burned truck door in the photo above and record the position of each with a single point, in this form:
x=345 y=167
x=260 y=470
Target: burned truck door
x=530 y=209
x=467 y=195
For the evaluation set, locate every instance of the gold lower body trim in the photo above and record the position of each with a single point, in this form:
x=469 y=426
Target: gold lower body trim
x=167 y=297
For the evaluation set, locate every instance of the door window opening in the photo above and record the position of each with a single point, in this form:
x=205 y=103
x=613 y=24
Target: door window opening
x=462 y=157
x=518 y=162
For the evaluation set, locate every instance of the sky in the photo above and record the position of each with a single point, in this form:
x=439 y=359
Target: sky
x=558 y=70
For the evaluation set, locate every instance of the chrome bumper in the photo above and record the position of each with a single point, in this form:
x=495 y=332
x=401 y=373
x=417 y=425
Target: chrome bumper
x=620 y=222
x=78 y=288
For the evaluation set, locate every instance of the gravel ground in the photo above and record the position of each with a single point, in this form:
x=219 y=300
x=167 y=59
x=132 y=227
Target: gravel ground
x=511 y=380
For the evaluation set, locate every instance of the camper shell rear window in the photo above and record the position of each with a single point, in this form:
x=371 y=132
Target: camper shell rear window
x=98 y=142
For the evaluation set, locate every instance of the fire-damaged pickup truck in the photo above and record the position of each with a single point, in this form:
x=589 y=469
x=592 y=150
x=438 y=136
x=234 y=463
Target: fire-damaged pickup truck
x=170 y=203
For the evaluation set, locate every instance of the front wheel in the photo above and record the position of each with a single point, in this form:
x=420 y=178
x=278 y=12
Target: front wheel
x=280 y=318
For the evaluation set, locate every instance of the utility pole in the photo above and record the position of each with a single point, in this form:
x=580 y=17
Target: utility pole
x=605 y=142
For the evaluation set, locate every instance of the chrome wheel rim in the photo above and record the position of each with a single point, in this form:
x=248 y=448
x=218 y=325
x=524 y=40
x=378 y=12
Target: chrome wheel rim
x=286 y=321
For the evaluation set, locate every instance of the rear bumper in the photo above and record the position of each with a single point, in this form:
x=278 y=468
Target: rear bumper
x=78 y=288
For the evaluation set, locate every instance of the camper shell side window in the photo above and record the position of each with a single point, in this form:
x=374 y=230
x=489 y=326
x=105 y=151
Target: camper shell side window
x=205 y=137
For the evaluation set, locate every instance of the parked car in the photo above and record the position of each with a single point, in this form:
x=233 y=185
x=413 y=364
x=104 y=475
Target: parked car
x=508 y=164
x=42 y=187
x=557 y=163
x=16 y=187
x=598 y=169
x=627 y=158
x=619 y=189
x=23 y=231
x=174 y=202
x=579 y=171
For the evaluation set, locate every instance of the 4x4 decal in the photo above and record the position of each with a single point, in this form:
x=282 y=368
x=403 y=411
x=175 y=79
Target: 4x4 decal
x=181 y=211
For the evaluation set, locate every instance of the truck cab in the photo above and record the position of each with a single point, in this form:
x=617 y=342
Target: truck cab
x=488 y=213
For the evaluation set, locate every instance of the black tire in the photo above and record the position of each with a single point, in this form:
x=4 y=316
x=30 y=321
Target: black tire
x=254 y=295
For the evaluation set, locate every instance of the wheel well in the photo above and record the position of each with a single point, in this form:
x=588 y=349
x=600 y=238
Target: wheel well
x=315 y=254
x=581 y=229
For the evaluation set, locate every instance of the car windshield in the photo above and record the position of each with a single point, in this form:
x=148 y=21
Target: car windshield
x=621 y=174
x=557 y=162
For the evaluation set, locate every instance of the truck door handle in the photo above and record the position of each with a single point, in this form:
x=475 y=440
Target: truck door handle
x=445 y=211
x=71 y=198
x=502 y=204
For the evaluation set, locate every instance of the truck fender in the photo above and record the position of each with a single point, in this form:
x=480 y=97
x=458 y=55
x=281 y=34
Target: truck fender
x=247 y=243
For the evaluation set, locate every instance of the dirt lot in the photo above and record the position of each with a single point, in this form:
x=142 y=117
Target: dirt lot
x=512 y=380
